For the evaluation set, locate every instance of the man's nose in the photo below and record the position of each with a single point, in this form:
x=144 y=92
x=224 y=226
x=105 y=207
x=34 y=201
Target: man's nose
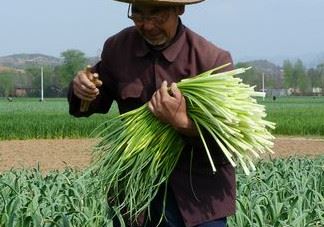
x=148 y=24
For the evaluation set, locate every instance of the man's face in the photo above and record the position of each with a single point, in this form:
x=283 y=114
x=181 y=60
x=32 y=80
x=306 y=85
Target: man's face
x=157 y=24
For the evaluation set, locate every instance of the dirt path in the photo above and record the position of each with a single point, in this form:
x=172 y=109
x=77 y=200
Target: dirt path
x=50 y=154
x=57 y=154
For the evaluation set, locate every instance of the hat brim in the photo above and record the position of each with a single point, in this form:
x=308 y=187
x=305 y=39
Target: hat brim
x=162 y=2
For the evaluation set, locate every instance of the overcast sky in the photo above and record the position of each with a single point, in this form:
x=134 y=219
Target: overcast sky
x=247 y=28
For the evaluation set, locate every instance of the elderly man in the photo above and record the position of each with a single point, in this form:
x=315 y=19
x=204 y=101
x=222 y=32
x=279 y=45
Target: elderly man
x=137 y=66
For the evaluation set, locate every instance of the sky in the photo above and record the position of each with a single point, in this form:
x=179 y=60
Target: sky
x=247 y=28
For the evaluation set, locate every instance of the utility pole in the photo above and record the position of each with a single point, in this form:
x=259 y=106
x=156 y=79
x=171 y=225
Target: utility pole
x=36 y=61
x=42 y=84
x=263 y=85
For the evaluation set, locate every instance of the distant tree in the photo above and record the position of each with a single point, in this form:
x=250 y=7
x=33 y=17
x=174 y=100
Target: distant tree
x=295 y=76
x=73 y=61
x=57 y=86
x=288 y=73
x=320 y=71
x=301 y=80
x=6 y=84
x=314 y=77
x=33 y=74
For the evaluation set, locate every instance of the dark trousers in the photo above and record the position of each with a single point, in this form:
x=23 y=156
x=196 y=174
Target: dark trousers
x=172 y=215
x=215 y=223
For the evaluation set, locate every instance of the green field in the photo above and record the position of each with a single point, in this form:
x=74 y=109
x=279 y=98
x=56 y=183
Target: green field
x=29 y=118
x=280 y=193
x=297 y=115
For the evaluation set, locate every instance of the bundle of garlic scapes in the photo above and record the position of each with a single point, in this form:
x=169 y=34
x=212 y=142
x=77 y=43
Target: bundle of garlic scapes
x=137 y=153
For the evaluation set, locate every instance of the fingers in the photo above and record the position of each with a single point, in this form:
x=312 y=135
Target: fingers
x=164 y=90
x=155 y=104
x=168 y=92
x=151 y=108
x=164 y=104
x=85 y=79
x=164 y=95
x=155 y=99
x=159 y=97
x=96 y=81
x=175 y=91
x=83 y=88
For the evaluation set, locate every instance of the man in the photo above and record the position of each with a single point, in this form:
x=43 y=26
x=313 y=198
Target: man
x=138 y=65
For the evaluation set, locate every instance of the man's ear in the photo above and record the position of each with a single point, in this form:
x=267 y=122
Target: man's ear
x=180 y=10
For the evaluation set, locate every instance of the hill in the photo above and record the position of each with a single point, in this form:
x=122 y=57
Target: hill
x=20 y=61
x=271 y=71
x=310 y=60
x=265 y=66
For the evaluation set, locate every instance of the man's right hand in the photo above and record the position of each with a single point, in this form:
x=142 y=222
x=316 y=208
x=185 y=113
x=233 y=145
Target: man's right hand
x=83 y=87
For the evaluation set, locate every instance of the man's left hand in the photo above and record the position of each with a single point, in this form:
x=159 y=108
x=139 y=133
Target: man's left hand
x=169 y=106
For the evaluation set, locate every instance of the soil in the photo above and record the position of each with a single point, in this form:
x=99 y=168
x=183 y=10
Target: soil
x=75 y=153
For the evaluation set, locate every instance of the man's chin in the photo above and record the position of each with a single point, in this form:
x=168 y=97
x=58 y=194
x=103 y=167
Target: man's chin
x=159 y=42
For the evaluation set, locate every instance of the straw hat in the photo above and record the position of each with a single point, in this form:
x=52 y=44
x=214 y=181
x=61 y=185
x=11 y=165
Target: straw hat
x=163 y=2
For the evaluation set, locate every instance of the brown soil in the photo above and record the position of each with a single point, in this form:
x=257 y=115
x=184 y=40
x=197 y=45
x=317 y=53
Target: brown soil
x=75 y=153
x=49 y=154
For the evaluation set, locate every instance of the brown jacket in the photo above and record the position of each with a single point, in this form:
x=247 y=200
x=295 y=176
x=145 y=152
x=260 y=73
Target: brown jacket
x=131 y=71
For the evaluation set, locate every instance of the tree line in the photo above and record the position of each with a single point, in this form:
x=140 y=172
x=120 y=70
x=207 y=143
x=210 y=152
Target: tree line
x=301 y=80
x=293 y=76
x=27 y=82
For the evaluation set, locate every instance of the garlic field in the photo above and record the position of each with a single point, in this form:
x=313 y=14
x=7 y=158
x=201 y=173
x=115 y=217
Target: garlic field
x=281 y=192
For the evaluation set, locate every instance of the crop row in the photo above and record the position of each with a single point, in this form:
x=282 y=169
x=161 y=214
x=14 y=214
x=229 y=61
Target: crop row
x=282 y=192
x=28 y=118
x=297 y=115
